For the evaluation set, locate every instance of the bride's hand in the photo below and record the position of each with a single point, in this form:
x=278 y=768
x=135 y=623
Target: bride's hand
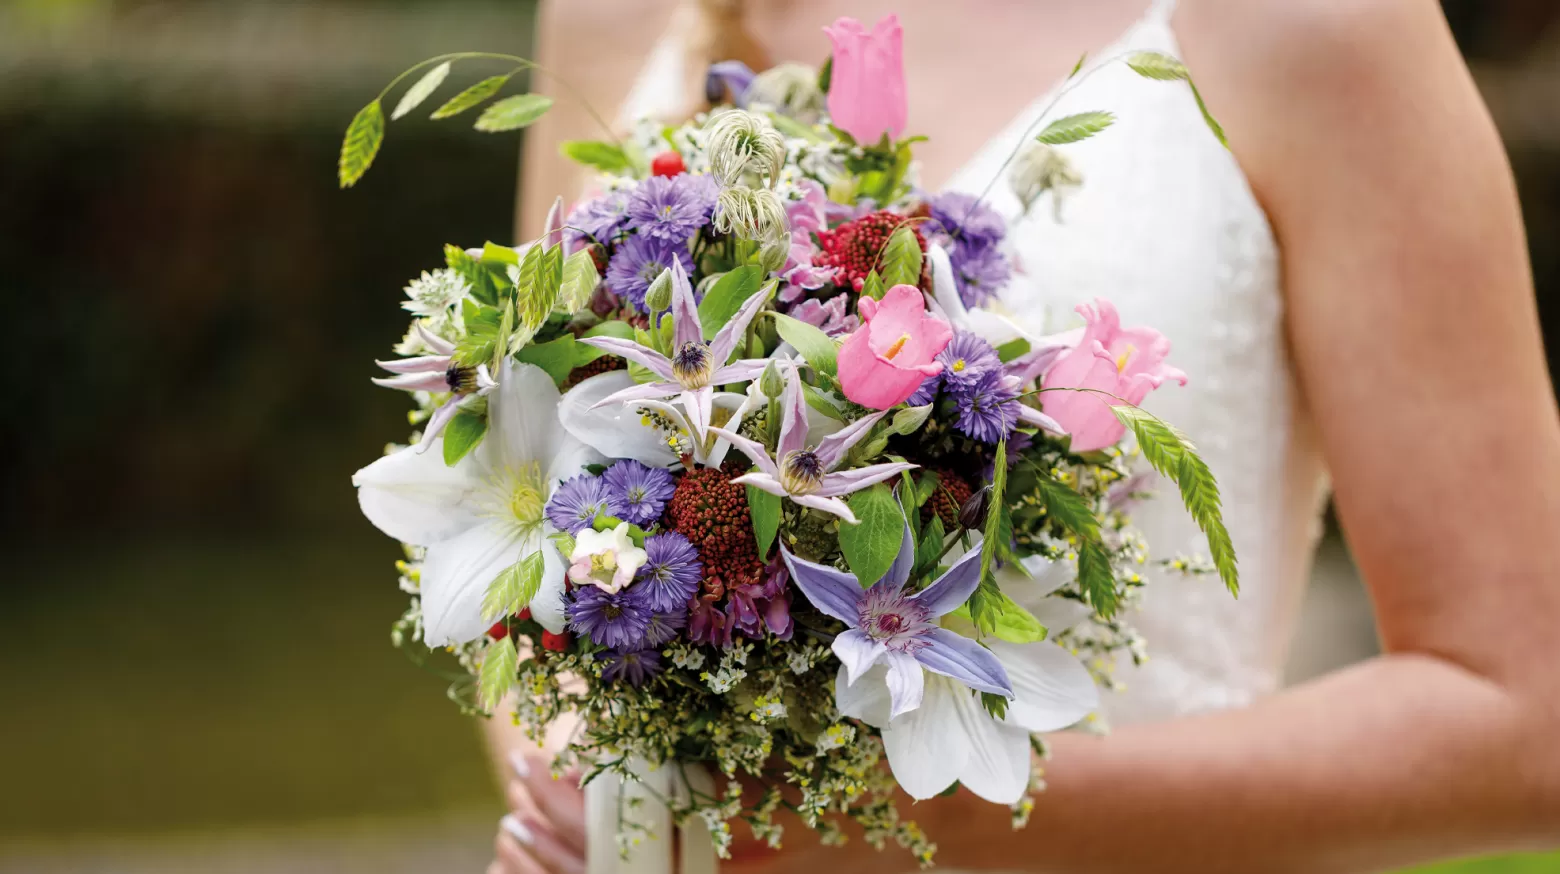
x=544 y=831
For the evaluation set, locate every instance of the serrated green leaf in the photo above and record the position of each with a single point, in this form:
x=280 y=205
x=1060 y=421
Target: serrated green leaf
x=361 y=144
x=727 y=296
x=902 y=258
x=484 y=285
x=605 y=157
x=1013 y=624
x=559 y=357
x=1157 y=65
x=462 y=435
x=1213 y=123
x=818 y=348
x=421 y=90
x=512 y=590
x=765 y=510
x=471 y=96
x=497 y=675
x=541 y=275
x=929 y=548
x=986 y=601
x=872 y=543
x=580 y=279
x=1076 y=127
x=872 y=286
x=1095 y=576
x=1096 y=579
x=513 y=113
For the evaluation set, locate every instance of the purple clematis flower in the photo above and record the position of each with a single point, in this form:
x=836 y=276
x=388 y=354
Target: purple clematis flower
x=436 y=373
x=807 y=476
x=899 y=629
x=695 y=365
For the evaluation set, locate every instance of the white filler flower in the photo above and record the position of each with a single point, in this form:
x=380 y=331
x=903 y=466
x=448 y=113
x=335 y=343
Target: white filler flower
x=484 y=514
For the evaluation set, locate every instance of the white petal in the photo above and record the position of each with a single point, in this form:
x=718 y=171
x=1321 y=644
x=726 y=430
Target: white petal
x=927 y=747
x=1051 y=688
x=1032 y=591
x=571 y=456
x=866 y=699
x=547 y=605
x=455 y=577
x=906 y=683
x=857 y=652
x=998 y=765
x=415 y=497
x=523 y=417
x=615 y=431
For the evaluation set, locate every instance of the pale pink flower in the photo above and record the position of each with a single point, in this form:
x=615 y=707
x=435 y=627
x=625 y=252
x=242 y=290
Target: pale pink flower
x=885 y=360
x=867 y=83
x=1113 y=362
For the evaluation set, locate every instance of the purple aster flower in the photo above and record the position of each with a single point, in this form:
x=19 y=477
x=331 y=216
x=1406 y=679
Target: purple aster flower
x=636 y=493
x=671 y=209
x=889 y=625
x=988 y=407
x=671 y=572
x=616 y=619
x=966 y=220
x=664 y=626
x=965 y=360
x=598 y=219
x=575 y=504
x=638 y=261
x=633 y=666
x=979 y=272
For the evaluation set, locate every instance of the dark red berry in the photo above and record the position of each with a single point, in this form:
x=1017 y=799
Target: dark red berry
x=555 y=642
x=499 y=631
x=667 y=164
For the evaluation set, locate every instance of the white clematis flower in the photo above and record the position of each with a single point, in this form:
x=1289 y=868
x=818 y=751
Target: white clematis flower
x=485 y=513
x=952 y=736
x=988 y=323
x=621 y=430
x=607 y=560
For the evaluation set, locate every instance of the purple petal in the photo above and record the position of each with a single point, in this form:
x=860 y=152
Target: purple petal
x=726 y=338
x=414 y=381
x=858 y=652
x=420 y=364
x=1042 y=354
x=793 y=427
x=1031 y=416
x=832 y=448
x=552 y=231
x=762 y=481
x=755 y=452
x=906 y=684
x=685 y=310
x=964 y=660
x=728 y=76
x=655 y=361
x=954 y=587
x=639 y=393
x=827 y=505
x=904 y=562
x=834 y=592
x=843 y=482
x=436 y=423
x=739 y=371
x=439 y=345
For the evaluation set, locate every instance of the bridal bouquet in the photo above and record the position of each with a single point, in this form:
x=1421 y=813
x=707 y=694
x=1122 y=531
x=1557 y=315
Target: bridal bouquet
x=741 y=462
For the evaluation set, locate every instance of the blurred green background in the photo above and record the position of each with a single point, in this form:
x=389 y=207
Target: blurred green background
x=195 y=669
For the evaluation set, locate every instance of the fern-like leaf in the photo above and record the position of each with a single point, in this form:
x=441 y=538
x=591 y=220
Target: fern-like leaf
x=579 y=282
x=1073 y=128
x=361 y=144
x=1157 y=65
x=1096 y=578
x=513 y=113
x=513 y=589
x=497 y=675
x=541 y=275
x=471 y=96
x=902 y=258
x=421 y=91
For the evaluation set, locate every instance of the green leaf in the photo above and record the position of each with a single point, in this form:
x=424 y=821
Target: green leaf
x=421 y=91
x=493 y=253
x=484 y=285
x=462 y=435
x=605 y=157
x=1073 y=128
x=497 y=675
x=512 y=590
x=620 y=330
x=1013 y=349
x=471 y=96
x=1157 y=65
x=481 y=340
x=872 y=543
x=902 y=258
x=513 y=113
x=909 y=420
x=1014 y=624
x=361 y=144
x=580 y=279
x=929 y=549
x=816 y=400
x=1095 y=577
x=986 y=602
x=817 y=347
x=559 y=357
x=727 y=296
x=872 y=286
x=1213 y=123
x=541 y=275
x=765 y=510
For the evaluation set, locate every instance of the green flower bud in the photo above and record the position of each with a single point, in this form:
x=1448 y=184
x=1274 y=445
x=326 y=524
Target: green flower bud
x=771 y=383
x=658 y=298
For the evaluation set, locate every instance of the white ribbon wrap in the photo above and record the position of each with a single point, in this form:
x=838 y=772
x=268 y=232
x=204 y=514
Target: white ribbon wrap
x=609 y=794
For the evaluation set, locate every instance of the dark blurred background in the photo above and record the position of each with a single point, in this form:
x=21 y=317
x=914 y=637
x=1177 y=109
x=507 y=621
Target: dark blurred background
x=195 y=671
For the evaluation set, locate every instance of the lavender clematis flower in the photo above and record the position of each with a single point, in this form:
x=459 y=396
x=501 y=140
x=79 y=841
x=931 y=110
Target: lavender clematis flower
x=436 y=373
x=807 y=476
x=695 y=365
x=728 y=78
x=899 y=629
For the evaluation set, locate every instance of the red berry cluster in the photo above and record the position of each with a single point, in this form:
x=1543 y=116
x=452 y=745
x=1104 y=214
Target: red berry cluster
x=855 y=247
x=951 y=493
x=604 y=364
x=712 y=512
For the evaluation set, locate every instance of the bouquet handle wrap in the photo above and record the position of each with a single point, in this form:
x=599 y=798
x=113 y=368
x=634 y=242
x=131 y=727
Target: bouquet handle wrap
x=608 y=796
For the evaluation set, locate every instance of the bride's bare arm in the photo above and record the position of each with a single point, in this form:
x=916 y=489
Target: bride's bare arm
x=1412 y=322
